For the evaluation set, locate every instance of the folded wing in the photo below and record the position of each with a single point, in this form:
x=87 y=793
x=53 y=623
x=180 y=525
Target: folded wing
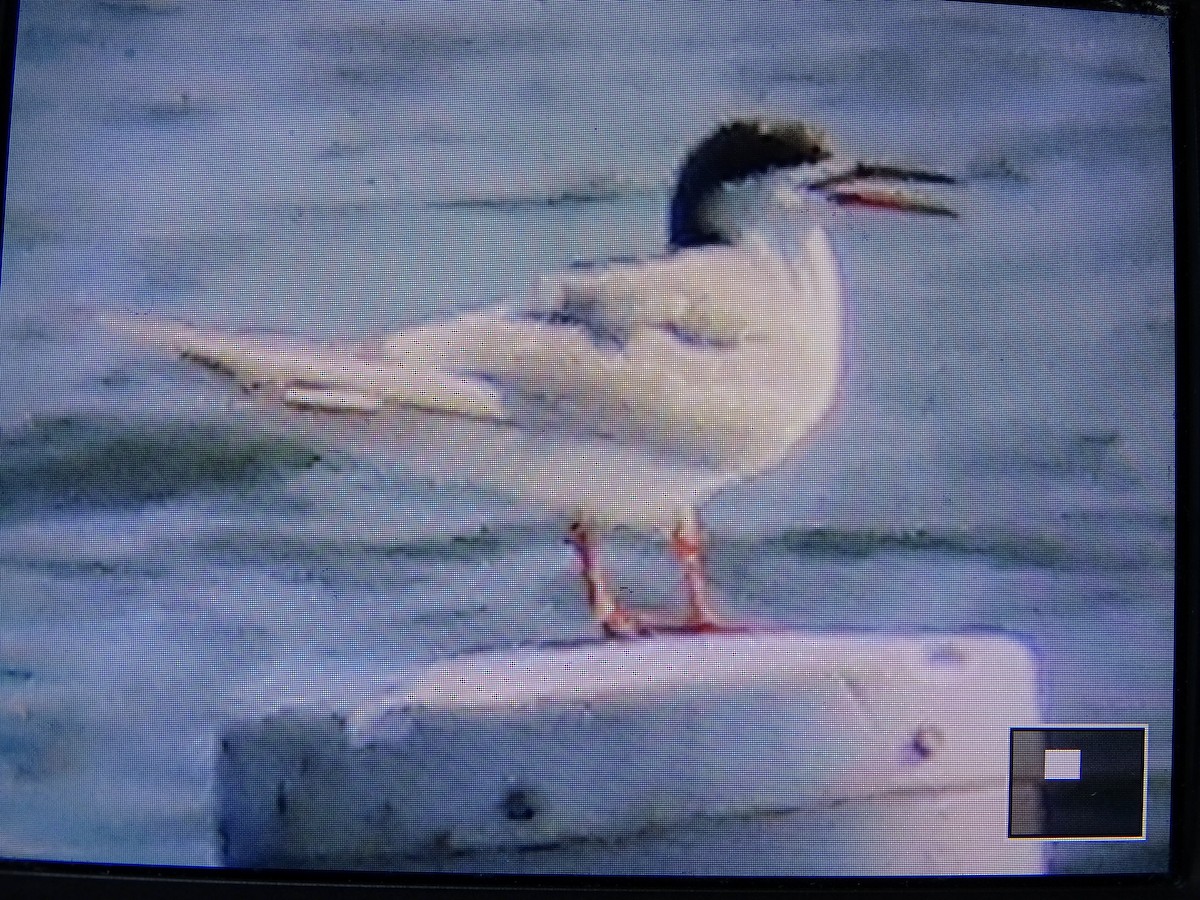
x=319 y=377
x=680 y=353
x=706 y=296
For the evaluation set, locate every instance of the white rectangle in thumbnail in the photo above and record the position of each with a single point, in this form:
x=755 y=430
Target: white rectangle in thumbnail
x=1062 y=765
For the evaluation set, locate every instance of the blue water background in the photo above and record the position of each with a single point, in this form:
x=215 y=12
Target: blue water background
x=1001 y=460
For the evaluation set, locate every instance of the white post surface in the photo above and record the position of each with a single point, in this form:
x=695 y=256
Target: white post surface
x=768 y=753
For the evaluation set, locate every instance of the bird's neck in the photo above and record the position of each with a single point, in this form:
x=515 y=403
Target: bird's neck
x=700 y=213
x=716 y=206
x=690 y=223
x=722 y=161
x=724 y=215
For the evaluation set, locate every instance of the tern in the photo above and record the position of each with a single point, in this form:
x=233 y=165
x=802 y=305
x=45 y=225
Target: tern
x=623 y=392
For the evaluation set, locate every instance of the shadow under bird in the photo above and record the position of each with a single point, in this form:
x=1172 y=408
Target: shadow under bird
x=622 y=393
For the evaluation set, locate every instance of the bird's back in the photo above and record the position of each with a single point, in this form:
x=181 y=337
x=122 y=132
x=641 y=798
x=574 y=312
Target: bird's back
x=720 y=359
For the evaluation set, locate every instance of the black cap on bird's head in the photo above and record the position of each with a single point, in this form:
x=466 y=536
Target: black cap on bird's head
x=737 y=150
x=749 y=148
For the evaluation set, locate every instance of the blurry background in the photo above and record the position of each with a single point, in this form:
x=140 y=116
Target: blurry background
x=1001 y=460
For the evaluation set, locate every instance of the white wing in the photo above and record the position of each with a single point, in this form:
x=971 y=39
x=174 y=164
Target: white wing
x=333 y=378
x=719 y=355
x=706 y=296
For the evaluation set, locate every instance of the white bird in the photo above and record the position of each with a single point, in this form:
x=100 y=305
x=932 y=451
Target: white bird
x=623 y=393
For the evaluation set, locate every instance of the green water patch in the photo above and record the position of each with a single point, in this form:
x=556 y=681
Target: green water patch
x=1011 y=548
x=68 y=463
x=1001 y=548
x=27 y=228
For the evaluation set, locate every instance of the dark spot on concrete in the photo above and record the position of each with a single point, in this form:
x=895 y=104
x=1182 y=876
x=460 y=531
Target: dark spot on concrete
x=518 y=806
x=925 y=741
x=947 y=655
x=854 y=688
x=281 y=801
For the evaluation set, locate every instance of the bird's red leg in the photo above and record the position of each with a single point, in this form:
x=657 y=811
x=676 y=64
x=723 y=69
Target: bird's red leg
x=687 y=545
x=616 y=619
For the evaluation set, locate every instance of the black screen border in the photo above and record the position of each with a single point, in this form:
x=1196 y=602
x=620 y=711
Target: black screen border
x=38 y=879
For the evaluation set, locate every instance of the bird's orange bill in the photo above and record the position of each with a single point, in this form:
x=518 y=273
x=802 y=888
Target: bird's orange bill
x=877 y=172
x=860 y=185
x=883 y=198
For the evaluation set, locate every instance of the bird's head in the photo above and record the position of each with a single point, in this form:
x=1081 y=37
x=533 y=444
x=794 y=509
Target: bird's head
x=752 y=149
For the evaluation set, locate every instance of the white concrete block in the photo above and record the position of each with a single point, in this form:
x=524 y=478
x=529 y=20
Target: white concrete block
x=759 y=753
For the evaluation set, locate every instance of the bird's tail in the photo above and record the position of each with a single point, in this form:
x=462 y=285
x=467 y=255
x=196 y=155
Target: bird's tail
x=321 y=377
